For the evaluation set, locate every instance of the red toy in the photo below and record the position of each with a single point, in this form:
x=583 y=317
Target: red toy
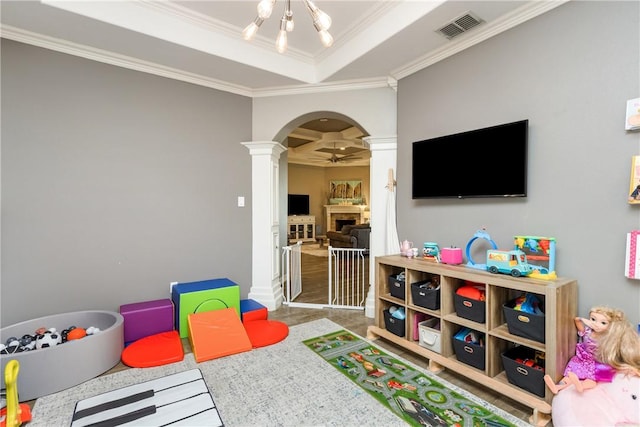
x=154 y=350
x=76 y=334
x=472 y=290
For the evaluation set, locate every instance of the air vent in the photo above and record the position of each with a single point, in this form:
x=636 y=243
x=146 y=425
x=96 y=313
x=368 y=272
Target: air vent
x=459 y=25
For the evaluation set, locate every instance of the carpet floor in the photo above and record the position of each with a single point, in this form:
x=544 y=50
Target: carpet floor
x=285 y=384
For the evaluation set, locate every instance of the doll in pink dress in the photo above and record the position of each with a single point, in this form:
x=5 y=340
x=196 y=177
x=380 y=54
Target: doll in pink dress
x=607 y=343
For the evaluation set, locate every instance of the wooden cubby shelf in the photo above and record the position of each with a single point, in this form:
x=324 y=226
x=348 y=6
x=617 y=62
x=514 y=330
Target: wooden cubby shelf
x=559 y=298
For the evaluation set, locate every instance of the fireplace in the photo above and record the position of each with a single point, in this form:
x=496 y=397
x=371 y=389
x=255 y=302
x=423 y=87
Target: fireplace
x=337 y=213
x=342 y=222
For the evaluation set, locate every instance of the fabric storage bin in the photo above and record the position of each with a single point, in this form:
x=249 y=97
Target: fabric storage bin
x=469 y=308
x=524 y=369
x=393 y=325
x=425 y=297
x=472 y=354
x=417 y=319
x=523 y=324
x=396 y=286
x=430 y=334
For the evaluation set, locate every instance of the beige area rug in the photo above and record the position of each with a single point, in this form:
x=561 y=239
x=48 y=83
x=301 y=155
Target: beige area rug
x=284 y=384
x=315 y=250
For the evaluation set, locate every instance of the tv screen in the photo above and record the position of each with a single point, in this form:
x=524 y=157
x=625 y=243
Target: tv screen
x=488 y=162
x=298 y=204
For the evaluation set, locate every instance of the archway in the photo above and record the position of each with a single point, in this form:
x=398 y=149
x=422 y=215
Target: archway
x=373 y=109
x=282 y=137
x=323 y=151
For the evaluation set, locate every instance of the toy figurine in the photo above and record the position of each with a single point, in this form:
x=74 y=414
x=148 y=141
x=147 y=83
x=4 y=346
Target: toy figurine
x=607 y=343
x=431 y=251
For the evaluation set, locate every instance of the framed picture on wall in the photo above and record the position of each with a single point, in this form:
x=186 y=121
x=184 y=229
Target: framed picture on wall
x=345 y=191
x=632 y=121
x=634 y=186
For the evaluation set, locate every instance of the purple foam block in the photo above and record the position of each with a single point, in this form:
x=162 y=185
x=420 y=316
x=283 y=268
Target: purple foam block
x=142 y=319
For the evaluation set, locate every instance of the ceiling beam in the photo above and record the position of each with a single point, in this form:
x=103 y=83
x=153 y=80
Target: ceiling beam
x=306 y=134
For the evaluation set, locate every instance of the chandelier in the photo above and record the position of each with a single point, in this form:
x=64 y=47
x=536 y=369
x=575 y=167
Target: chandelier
x=321 y=22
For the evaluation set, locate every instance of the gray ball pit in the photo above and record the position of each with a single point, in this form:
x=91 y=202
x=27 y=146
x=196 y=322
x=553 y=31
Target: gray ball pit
x=50 y=370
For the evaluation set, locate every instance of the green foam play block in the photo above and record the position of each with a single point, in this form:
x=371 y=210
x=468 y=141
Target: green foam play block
x=199 y=297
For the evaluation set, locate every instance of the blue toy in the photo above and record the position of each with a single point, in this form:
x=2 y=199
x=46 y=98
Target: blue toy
x=469 y=336
x=431 y=251
x=397 y=312
x=480 y=234
x=528 y=303
x=508 y=262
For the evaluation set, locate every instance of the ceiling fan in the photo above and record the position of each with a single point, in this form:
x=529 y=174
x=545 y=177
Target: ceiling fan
x=336 y=159
x=322 y=146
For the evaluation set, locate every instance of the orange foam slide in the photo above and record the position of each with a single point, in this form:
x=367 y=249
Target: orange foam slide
x=217 y=333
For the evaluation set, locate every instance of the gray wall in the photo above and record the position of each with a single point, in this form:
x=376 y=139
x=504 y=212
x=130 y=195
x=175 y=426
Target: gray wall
x=570 y=72
x=116 y=183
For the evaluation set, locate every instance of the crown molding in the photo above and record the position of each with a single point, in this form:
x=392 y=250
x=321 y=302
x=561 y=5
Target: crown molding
x=348 y=35
x=397 y=16
x=171 y=23
x=522 y=14
x=123 y=61
x=191 y=17
x=357 y=84
x=128 y=62
x=528 y=11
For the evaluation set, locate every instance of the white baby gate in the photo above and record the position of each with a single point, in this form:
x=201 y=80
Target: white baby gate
x=292 y=271
x=347 y=284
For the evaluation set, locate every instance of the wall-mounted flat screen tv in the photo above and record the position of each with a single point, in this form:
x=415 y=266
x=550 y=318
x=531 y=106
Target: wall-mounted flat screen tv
x=298 y=204
x=488 y=162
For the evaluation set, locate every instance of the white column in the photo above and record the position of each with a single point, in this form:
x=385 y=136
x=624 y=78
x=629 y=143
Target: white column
x=383 y=157
x=265 y=247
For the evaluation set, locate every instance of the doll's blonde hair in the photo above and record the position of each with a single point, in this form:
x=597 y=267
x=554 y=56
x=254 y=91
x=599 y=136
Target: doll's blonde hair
x=619 y=345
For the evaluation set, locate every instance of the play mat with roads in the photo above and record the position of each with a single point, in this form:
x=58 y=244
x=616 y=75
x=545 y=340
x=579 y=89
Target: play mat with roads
x=414 y=395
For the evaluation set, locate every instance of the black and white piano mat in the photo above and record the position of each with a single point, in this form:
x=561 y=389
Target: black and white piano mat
x=181 y=399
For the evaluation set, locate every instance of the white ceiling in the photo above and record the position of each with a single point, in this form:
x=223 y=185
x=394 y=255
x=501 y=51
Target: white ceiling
x=376 y=42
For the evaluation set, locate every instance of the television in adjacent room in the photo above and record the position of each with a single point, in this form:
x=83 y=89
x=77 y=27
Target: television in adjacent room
x=298 y=204
x=487 y=162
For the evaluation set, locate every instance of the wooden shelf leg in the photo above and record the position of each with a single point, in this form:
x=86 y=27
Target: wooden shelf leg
x=435 y=367
x=371 y=336
x=539 y=419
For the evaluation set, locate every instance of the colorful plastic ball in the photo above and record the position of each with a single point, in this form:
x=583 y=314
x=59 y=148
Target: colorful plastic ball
x=26 y=340
x=48 y=339
x=65 y=332
x=11 y=347
x=76 y=334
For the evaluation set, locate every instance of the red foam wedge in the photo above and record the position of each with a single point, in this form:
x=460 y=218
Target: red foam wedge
x=265 y=332
x=154 y=350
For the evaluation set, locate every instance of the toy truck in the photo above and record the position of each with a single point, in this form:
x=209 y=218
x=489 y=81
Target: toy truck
x=508 y=262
